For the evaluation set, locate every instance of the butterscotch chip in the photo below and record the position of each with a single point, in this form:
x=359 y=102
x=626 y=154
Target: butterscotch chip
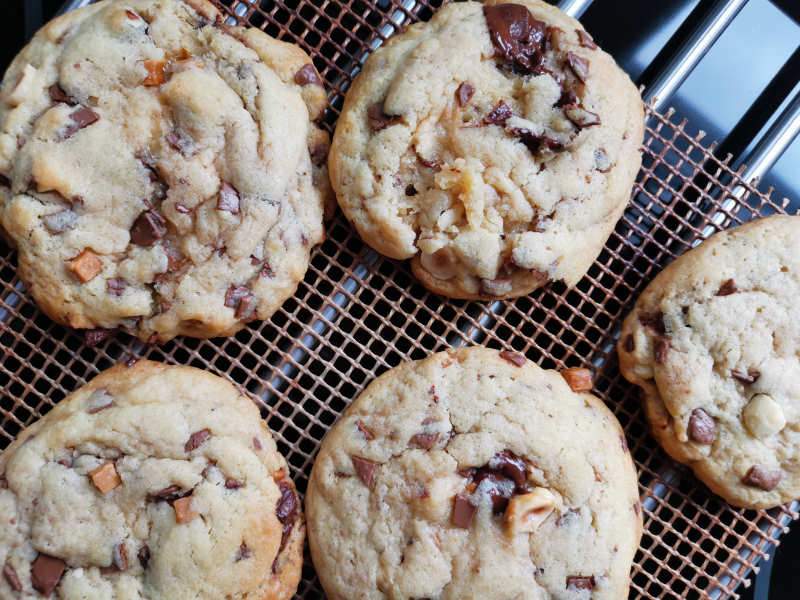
x=580 y=380
x=86 y=266
x=525 y=139
x=127 y=521
x=477 y=471
x=712 y=342
x=175 y=148
x=105 y=477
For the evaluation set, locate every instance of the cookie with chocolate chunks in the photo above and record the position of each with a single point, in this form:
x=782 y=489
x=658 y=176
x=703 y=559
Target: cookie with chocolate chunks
x=147 y=142
x=480 y=478
x=517 y=135
x=714 y=343
x=156 y=480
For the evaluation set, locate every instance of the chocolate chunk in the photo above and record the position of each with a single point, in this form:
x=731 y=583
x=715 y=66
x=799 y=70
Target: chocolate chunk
x=517 y=37
x=181 y=142
x=536 y=142
x=763 y=477
x=365 y=469
x=120 y=557
x=81 y=117
x=464 y=93
x=116 y=286
x=727 y=288
x=368 y=435
x=661 y=350
x=243 y=553
x=11 y=577
x=602 y=162
x=702 y=427
x=57 y=94
x=425 y=441
x=585 y=40
x=46 y=572
x=750 y=376
x=99 y=400
x=5 y=181
x=463 y=511
x=510 y=465
x=411 y=190
x=228 y=199
x=266 y=270
x=654 y=321
x=197 y=439
x=579 y=66
x=169 y=494
x=144 y=556
x=578 y=582
x=319 y=152
x=307 y=74
x=242 y=300
x=498 y=115
x=233 y=484
x=630 y=345
x=515 y=359
x=286 y=509
x=93 y=337
x=568 y=95
x=581 y=117
x=378 y=119
x=148 y=228
x=59 y=222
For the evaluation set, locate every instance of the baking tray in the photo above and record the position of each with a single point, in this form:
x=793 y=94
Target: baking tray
x=357 y=314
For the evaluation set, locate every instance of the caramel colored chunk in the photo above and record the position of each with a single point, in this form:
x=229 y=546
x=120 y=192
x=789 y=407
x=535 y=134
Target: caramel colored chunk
x=580 y=380
x=155 y=72
x=86 y=266
x=105 y=477
x=184 y=512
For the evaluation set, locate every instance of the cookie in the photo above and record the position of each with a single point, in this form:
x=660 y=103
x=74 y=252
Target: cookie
x=157 y=169
x=152 y=481
x=714 y=343
x=474 y=474
x=494 y=146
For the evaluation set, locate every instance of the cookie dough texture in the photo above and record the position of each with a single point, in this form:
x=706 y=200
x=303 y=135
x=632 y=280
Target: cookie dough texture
x=444 y=434
x=156 y=170
x=166 y=443
x=714 y=343
x=494 y=172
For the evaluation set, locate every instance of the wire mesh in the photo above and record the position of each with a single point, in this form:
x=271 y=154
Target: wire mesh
x=357 y=314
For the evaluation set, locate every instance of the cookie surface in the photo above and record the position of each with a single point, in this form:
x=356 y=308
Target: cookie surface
x=495 y=146
x=156 y=169
x=714 y=342
x=465 y=475
x=152 y=481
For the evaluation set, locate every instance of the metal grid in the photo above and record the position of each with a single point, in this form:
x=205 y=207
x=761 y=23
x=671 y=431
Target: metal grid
x=357 y=314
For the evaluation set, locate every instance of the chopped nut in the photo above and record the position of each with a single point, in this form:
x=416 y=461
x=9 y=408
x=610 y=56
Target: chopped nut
x=46 y=572
x=98 y=400
x=425 y=441
x=307 y=74
x=155 y=72
x=702 y=427
x=763 y=417
x=228 y=199
x=257 y=444
x=119 y=557
x=498 y=115
x=439 y=264
x=581 y=117
x=577 y=582
x=105 y=477
x=243 y=552
x=184 y=511
x=92 y=337
x=763 y=477
x=602 y=162
x=518 y=360
x=368 y=435
x=527 y=511
x=61 y=221
x=365 y=469
x=116 y=286
x=86 y=266
x=463 y=511
x=233 y=484
x=496 y=287
x=197 y=439
x=580 y=380
x=464 y=93
x=585 y=40
x=579 y=66
x=746 y=377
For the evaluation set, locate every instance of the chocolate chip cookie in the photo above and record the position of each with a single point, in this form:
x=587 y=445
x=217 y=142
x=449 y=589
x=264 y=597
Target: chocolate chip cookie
x=157 y=169
x=714 y=343
x=495 y=146
x=151 y=481
x=474 y=474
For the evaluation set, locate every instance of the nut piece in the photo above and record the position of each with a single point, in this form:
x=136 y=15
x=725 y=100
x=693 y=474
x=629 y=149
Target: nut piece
x=526 y=512
x=184 y=512
x=439 y=264
x=763 y=417
x=580 y=380
x=105 y=477
x=86 y=266
x=763 y=477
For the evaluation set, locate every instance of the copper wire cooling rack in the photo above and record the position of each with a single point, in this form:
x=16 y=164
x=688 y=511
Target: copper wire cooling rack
x=357 y=314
